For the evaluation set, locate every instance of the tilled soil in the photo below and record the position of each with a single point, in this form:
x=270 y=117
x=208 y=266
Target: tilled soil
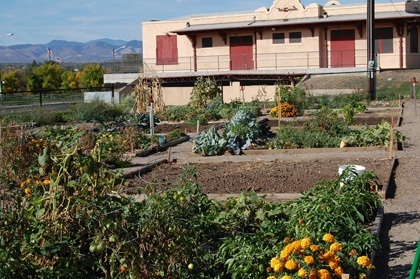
x=273 y=176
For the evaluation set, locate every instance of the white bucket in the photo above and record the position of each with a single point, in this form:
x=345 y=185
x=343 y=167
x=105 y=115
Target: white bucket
x=357 y=169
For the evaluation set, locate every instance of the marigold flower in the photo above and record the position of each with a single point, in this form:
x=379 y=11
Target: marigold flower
x=287 y=239
x=306 y=243
x=46 y=182
x=274 y=261
x=271 y=277
x=353 y=252
x=314 y=248
x=286 y=277
x=333 y=264
x=328 y=238
x=363 y=261
x=302 y=273
x=324 y=274
x=28 y=191
x=338 y=271
x=29 y=196
x=362 y=276
x=22 y=185
x=309 y=259
x=327 y=256
x=335 y=247
x=278 y=268
x=291 y=265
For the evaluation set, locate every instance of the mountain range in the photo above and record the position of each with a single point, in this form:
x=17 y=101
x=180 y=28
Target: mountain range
x=99 y=50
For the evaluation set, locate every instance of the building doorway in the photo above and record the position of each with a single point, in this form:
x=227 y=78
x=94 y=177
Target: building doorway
x=241 y=53
x=343 y=48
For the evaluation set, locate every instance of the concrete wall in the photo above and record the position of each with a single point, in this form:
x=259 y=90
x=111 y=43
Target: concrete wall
x=102 y=96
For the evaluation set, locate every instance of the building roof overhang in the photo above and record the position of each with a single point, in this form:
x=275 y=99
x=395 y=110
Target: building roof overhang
x=262 y=24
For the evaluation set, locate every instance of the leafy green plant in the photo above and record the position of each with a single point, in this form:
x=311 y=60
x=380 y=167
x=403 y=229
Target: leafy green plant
x=203 y=92
x=209 y=143
x=241 y=131
x=175 y=134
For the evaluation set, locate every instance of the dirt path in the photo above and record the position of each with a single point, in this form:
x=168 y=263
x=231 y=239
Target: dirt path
x=401 y=224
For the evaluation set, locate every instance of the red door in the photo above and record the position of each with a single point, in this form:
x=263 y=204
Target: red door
x=241 y=53
x=342 y=48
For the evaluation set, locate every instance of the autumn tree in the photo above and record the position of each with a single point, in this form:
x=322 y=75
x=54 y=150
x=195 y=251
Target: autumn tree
x=69 y=79
x=10 y=81
x=92 y=76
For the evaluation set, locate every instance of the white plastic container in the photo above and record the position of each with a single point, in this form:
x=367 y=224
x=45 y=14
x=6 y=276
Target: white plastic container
x=356 y=168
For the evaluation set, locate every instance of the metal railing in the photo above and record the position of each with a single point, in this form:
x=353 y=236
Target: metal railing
x=280 y=61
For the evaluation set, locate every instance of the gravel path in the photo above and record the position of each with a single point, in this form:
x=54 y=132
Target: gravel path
x=400 y=230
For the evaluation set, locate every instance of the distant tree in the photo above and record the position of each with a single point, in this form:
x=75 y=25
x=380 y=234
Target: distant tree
x=50 y=74
x=46 y=76
x=32 y=80
x=69 y=79
x=92 y=76
x=10 y=81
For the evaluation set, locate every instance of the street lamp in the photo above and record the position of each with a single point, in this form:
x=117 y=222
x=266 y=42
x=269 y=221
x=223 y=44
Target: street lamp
x=1 y=81
x=113 y=54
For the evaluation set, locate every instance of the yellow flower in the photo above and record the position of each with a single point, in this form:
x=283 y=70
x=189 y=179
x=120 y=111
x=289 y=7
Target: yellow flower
x=278 y=268
x=23 y=184
x=363 y=261
x=306 y=243
x=324 y=274
x=302 y=273
x=338 y=271
x=274 y=261
x=28 y=191
x=328 y=238
x=29 y=196
x=333 y=265
x=327 y=256
x=271 y=277
x=314 y=248
x=335 y=247
x=46 y=182
x=362 y=276
x=291 y=265
x=286 y=277
x=309 y=259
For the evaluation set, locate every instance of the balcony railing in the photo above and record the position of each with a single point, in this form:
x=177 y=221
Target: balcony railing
x=280 y=61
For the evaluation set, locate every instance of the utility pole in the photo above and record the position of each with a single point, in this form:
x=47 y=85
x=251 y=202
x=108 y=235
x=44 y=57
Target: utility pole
x=371 y=59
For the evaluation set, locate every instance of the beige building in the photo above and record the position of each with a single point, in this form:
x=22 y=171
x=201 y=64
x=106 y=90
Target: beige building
x=251 y=51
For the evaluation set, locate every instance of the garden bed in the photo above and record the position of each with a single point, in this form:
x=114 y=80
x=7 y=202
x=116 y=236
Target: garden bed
x=260 y=176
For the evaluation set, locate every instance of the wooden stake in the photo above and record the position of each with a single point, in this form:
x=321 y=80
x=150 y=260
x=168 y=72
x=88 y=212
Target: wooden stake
x=391 y=140
x=198 y=126
x=279 y=110
x=169 y=155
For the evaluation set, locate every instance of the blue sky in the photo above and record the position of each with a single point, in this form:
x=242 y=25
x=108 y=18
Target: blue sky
x=40 y=21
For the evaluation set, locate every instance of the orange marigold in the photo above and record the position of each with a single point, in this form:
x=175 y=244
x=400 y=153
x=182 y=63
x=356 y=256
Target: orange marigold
x=338 y=271
x=328 y=238
x=309 y=259
x=306 y=243
x=302 y=273
x=291 y=265
x=314 y=248
x=324 y=274
x=364 y=261
x=335 y=247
